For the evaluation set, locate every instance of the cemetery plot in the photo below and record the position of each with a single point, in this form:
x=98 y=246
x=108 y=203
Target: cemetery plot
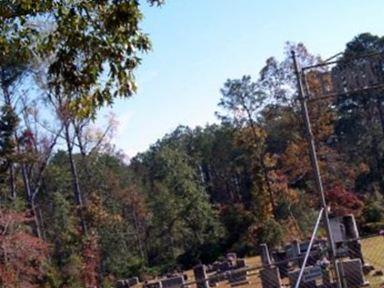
x=257 y=272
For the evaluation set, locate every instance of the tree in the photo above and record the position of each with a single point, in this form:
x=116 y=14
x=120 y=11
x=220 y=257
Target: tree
x=183 y=219
x=360 y=125
x=8 y=126
x=243 y=100
x=93 y=47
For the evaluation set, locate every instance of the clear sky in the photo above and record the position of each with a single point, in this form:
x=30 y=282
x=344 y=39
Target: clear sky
x=198 y=44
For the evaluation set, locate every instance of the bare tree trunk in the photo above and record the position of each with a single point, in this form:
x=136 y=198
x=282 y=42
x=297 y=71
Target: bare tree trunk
x=75 y=177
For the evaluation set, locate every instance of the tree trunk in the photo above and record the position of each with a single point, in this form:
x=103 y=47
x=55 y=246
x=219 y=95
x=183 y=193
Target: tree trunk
x=75 y=178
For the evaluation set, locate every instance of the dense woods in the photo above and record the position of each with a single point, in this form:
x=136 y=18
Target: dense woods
x=75 y=212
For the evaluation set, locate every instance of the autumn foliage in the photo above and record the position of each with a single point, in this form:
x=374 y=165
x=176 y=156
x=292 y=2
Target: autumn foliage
x=22 y=255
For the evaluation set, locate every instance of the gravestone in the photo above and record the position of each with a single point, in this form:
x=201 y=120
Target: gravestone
x=200 y=273
x=126 y=283
x=214 y=281
x=240 y=263
x=264 y=253
x=239 y=276
x=308 y=280
x=351 y=271
x=231 y=256
x=173 y=282
x=282 y=262
x=344 y=228
x=225 y=266
x=270 y=277
x=295 y=249
x=153 y=284
x=354 y=250
x=304 y=247
x=216 y=266
x=351 y=231
x=295 y=253
x=120 y=284
x=337 y=229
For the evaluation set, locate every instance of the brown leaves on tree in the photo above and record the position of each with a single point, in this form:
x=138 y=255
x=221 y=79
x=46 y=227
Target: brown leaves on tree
x=21 y=255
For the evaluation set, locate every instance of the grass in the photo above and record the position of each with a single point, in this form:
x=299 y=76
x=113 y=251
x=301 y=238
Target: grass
x=373 y=252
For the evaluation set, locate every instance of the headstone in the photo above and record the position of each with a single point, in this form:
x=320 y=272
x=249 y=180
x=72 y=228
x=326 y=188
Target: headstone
x=265 y=257
x=270 y=277
x=295 y=249
x=304 y=247
x=153 y=284
x=225 y=266
x=173 y=282
x=354 y=250
x=351 y=271
x=231 y=259
x=216 y=265
x=308 y=280
x=200 y=276
x=351 y=230
x=295 y=253
x=282 y=262
x=126 y=283
x=238 y=277
x=337 y=229
x=213 y=281
x=231 y=256
x=120 y=284
x=240 y=274
x=240 y=263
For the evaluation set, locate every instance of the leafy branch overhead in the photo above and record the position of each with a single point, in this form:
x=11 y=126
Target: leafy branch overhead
x=92 y=47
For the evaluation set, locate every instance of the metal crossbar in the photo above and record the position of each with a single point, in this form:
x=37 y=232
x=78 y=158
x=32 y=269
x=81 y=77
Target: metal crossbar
x=309 y=247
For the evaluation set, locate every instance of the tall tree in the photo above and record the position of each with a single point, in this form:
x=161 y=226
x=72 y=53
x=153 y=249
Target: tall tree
x=360 y=125
x=242 y=100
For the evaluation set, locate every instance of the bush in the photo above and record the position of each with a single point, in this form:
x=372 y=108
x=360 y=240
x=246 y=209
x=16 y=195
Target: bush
x=373 y=212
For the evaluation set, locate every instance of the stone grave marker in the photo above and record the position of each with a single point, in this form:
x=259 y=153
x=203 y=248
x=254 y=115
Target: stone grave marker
x=173 y=282
x=351 y=231
x=126 y=283
x=200 y=273
x=270 y=277
x=351 y=271
x=236 y=277
x=281 y=260
x=311 y=273
x=153 y=284
x=265 y=256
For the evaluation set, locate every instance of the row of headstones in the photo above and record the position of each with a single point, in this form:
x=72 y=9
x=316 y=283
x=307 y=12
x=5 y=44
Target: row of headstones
x=226 y=264
x=292 y=256
x=351 y=271
x=286 y=262
x=346 y=238
x=236 y=275
x=175 y=281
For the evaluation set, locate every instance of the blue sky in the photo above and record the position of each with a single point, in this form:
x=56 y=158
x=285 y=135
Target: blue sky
x=198 y=44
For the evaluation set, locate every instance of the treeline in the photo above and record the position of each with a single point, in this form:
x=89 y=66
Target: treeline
x=248 y=180
x=76 y=213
